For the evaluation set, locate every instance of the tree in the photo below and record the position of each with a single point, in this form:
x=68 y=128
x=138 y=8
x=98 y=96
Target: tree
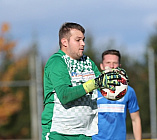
x=14 y=106
x=91 y=50
x=152 y=45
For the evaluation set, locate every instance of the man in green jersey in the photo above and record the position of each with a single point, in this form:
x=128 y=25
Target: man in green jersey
x=70 y=83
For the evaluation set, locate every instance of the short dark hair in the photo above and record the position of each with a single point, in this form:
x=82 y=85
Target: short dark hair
x=66 y=28
x=112 y=52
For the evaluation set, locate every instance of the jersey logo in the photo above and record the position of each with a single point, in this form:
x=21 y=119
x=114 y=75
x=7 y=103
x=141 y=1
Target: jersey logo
x=119 y=108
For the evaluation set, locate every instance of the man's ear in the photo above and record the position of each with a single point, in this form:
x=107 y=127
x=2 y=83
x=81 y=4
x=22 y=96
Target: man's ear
x=64 y=42
x=101 y=66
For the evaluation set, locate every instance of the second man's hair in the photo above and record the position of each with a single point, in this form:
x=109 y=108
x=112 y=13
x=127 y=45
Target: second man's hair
x=112 y=52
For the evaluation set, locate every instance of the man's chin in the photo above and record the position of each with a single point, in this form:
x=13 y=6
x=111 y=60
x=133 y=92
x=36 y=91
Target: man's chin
x=79 y=56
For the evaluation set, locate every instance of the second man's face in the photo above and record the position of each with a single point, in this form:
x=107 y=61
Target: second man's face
x=111 y=61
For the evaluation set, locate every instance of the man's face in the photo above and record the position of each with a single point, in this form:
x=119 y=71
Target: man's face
x=75 y=45
x=111 y=61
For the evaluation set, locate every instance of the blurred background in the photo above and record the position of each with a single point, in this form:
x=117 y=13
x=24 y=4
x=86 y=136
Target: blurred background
x=29 y=36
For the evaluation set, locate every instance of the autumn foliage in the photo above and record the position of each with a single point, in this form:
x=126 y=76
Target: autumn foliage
x=11 y=98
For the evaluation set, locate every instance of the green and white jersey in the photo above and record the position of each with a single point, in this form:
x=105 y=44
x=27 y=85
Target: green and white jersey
x=68 y=109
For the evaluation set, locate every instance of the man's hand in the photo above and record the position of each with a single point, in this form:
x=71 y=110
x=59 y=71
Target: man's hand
x=122 y=72
x=105 y=80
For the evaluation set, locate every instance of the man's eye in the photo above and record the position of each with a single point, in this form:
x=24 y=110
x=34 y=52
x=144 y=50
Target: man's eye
x=80 y=40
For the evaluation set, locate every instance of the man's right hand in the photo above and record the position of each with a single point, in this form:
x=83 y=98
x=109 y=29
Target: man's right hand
x=104 y=80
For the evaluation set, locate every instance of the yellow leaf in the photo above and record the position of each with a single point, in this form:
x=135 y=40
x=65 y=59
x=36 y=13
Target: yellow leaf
x=5 y=27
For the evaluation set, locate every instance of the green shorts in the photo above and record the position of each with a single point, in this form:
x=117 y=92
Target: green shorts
x=57 y=136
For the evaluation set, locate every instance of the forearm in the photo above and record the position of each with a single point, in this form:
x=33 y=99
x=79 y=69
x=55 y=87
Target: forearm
x=67 y=94
x=137 y=130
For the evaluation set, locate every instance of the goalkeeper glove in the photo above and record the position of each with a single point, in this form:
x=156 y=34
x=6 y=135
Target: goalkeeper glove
x=122 y=72
x=104 y=80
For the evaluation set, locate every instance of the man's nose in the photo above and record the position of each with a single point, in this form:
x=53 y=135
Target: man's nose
x=112 y=65
x=82 y=43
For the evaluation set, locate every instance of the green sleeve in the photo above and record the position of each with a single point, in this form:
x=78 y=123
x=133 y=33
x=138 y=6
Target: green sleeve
x=67 y=94
x=59 y=77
